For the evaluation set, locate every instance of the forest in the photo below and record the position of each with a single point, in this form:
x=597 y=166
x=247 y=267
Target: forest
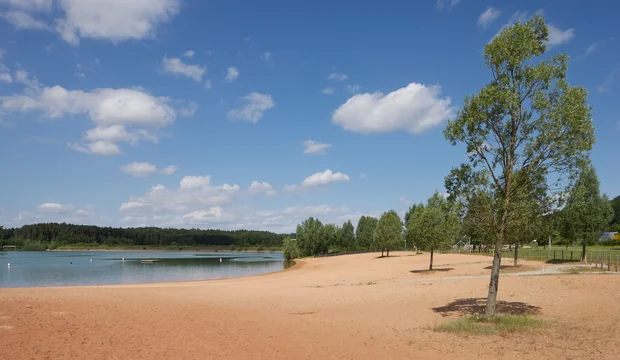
x=52 y=235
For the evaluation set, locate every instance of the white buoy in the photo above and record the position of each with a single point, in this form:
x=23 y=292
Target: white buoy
x=220 y=259
x=123 y=259
x=91 y=260
x=9 y=264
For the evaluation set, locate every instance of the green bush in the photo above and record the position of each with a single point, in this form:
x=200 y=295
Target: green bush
x=290 y=250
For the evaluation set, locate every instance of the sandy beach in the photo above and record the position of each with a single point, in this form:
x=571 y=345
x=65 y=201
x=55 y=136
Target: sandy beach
x=346 y=307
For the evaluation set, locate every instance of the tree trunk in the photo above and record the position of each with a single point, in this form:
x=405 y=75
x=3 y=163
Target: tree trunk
x=388 y=252
x=497 y=259
x=583 y=251
x=430 y=267
x=381 y=252
x=516 y=252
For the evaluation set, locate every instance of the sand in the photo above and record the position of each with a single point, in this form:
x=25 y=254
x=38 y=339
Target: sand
x=347 y=307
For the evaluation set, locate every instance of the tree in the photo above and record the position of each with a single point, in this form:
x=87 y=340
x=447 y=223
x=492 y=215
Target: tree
x=365 y=231
x=290 y=249
x=410 y=213
x=389 y=232
x=528 y=120
x=615 y=204
x=434 y=226
x=330 y=237
x=310 y=237
x=587 y=213
x=348 y=235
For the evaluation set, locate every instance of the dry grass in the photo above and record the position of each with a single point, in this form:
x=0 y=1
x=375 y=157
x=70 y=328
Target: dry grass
x=493 y=325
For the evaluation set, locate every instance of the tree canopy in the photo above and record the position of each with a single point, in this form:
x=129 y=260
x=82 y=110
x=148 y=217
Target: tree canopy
x=527 y=123
x=389 y=232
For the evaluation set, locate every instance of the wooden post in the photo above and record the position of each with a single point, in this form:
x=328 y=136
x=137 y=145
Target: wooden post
x=554 y=254
x=562 y=255
x=616 y=263
x=609 y=262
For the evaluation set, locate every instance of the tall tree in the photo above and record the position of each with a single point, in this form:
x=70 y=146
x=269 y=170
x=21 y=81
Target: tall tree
x=348 y=235
x=389 y=232
x=527 y=120
x=365 y=231
x=310 y=237
x=331 y=235
x=587 y=213
x=410 y=213
x=615 y=204
x=434 y=226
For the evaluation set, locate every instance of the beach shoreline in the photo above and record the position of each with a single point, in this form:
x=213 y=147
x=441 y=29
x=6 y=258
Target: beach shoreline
x=354 y=306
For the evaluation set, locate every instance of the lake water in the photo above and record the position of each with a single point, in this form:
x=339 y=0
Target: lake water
x=33 y=269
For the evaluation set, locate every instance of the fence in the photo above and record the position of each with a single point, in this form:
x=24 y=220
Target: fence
x=605 y=260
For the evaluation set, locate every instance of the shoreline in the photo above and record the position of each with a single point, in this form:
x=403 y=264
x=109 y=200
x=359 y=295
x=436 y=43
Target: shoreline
x=154 y=250
x=357 y=306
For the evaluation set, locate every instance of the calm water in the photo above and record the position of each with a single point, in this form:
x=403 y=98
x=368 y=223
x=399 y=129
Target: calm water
x=31 y=269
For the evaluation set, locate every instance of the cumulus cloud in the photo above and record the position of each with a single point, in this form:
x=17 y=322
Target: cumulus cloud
x=328 y=91
x=119 y=115
x=144 y=169
x=253 y=110
x=261 y=188
x=231 y=74
x=337 y=77
x=488 y=16
x=22 y=20
x=319 y=179
x=414 y=108
x=161 y=205
x=314 y=147
x=189 y=53
x=57 y=212
x=113 y=20
x=558 y=36
x=177 y=67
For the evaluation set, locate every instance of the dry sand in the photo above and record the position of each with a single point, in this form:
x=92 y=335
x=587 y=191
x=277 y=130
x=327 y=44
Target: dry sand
x=347 y=307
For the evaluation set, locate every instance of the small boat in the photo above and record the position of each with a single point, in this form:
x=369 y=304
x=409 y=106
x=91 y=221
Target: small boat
x=149 y=261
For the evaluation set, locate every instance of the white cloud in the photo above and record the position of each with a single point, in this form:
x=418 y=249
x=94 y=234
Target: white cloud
x=337 y=77
x=144 y=169
x=363 y=176
x=353 y=89
x=6 y=77
x=208 y=84
x=30 y=5
x=119 y=115
x=559 y=37
x=488 y=17
x=231 y=74
x=314 y=147
x=267 y=56
x=54 y=207
x=113 y=20
x=448 y=4
x=328 y=91
x=261 y=188
x=182 y=205
x=189 y=53
x=319 y=179
x=23 y=21
x=609 y=80
x=253 y=111
x=99 y=147
x=23 y=77
x=177 y=67
x=405 y=200
x=169 y=170
x=414 y=108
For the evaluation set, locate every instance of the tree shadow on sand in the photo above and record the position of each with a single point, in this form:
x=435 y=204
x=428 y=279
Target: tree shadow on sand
x=472 y=306
x=427 y=271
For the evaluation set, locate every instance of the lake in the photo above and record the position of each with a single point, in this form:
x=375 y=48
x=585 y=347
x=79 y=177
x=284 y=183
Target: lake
x=33 y=269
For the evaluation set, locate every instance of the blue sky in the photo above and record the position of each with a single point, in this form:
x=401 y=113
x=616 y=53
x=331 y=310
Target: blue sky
x=239 y=114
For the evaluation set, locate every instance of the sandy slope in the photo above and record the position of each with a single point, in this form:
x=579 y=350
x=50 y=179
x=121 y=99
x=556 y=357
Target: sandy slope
x=348 y=307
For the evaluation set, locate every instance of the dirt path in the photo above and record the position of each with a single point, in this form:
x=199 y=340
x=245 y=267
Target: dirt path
x=349 y=307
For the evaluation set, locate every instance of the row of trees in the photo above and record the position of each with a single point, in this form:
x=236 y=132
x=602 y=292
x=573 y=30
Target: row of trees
x=55 y=234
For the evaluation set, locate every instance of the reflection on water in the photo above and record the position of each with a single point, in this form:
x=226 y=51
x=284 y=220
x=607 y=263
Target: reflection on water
x=31 y=269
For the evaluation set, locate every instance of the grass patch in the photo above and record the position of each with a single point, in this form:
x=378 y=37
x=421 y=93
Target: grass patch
x=583 y=269
x=493 y=325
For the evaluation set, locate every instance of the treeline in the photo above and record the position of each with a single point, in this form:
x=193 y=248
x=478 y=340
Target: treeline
x=52 y=235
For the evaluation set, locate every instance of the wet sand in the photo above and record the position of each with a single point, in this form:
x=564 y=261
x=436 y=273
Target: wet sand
x=346 y=307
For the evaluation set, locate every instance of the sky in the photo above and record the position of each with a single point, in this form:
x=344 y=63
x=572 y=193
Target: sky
x=242 y=114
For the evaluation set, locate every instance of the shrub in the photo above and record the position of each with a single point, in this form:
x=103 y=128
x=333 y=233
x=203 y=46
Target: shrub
x=290 y=250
